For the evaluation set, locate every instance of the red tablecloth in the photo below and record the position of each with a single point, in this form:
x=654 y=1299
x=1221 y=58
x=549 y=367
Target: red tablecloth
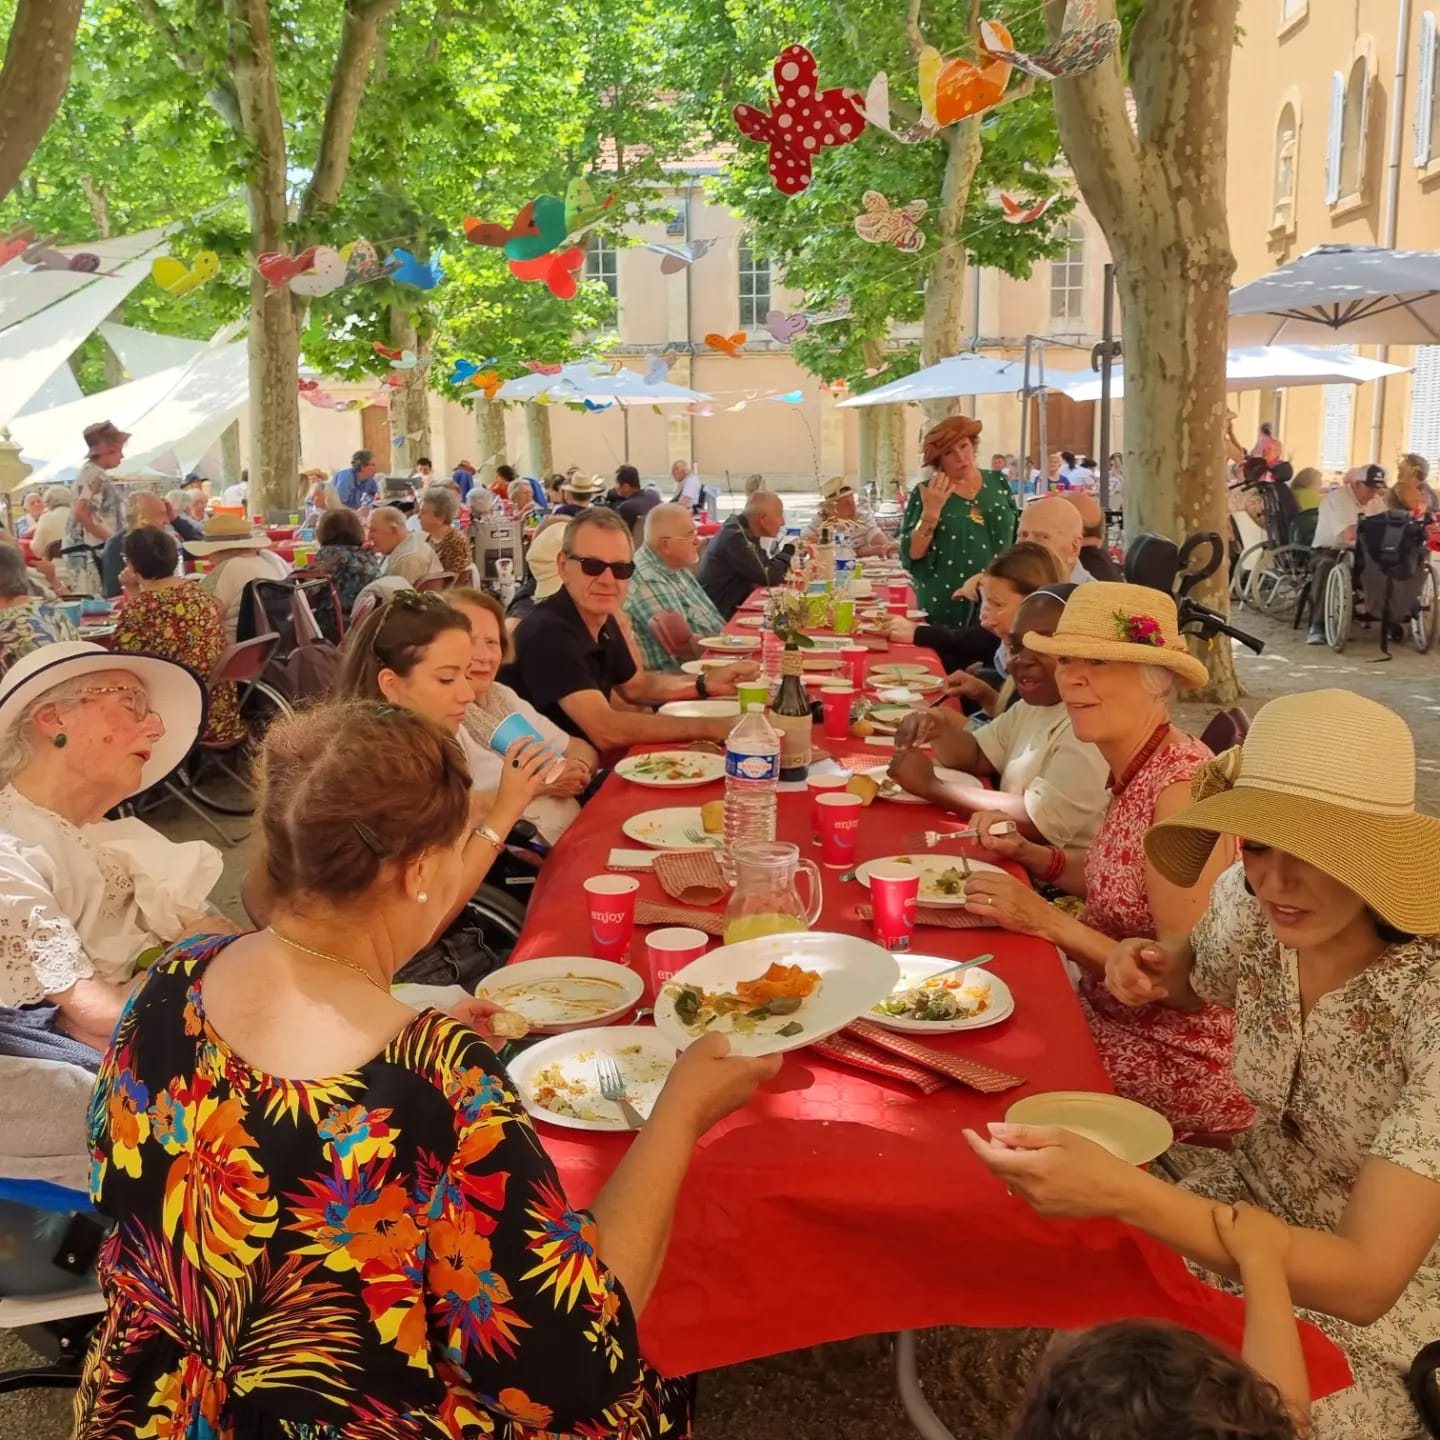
x=839 y=1203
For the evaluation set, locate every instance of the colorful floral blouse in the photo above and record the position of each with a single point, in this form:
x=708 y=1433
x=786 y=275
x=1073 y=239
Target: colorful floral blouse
x=182 y=622
x=1175 y=1061
x=381 y=1255
x=29 y=625
x=1358 y=1076
x=351 y=567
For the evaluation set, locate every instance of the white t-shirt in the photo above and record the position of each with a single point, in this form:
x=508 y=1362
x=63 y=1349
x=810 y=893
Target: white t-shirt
x=232 y=572
x=549 y=813
x=238 y=494
x=49 y=528
x=1339 y=510
x=1034 y=751
x=690 y=490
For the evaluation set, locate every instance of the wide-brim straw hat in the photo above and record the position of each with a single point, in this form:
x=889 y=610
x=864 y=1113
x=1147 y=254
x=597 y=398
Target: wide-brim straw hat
x=176 y=693
x=1295 y=785
x=583 y=484
x=227 y=532
x=835 y=487
x=543 y=560
x=1132 y=624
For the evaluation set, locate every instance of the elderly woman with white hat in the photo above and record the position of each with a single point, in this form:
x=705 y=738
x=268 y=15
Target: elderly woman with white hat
x=1121 y=660
x=1325 y=943
x=83 y=899
x=237 y=555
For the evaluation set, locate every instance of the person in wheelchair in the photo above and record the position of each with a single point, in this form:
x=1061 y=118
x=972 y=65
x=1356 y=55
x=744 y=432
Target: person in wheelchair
x=1361 y=494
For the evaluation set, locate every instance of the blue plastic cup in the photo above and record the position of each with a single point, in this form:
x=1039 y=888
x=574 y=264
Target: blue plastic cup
x=512 y=729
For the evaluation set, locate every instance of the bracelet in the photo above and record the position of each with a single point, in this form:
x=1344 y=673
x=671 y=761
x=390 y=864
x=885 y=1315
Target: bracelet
x=702 y=690
x=1055 y=866
x=484 y=832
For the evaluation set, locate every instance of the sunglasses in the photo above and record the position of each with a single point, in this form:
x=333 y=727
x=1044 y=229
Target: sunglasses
x=592 y=566
x=417 y=602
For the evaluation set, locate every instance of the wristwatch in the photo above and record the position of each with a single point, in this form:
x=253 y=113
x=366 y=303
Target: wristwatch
x=701 y=689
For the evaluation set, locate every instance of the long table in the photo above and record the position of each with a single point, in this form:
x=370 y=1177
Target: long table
x=840 y=1203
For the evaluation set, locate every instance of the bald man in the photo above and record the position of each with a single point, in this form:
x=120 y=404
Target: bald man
x=1052 y=521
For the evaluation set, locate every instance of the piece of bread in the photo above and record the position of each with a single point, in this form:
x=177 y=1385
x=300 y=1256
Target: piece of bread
x=861 y=728
x=863 y=786
x=507 y=1025
x=712 y=817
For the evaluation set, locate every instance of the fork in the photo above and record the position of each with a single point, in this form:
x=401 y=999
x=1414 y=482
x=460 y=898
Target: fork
x=928 y=839
x=612 y=1087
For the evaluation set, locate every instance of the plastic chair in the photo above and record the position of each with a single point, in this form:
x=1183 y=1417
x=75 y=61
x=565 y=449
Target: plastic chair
x=671 y=631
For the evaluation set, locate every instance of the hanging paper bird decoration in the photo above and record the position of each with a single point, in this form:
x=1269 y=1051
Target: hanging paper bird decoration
x=582 y=209
x=727 y=344
x=951 y=90
x=279 y=269
x=488 y=381
x=542 y=367
x=840 y=310
x=538 y=229
x=681 y=257
x=802 y=121
x=178 y=279
x=1083 y=44
x=491 y=232
x=364 y=265
x=463 y=373
x=877 y=112
x=1022 y=212
x=784 y=328
x=399 y=359
x=556 y=270
x=16 y=243
x=326 y=272
x=884 y=224
x=422 y=274
x=598 y=405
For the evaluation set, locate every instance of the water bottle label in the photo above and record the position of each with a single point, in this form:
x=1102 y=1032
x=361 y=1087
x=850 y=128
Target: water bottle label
x=752 y=767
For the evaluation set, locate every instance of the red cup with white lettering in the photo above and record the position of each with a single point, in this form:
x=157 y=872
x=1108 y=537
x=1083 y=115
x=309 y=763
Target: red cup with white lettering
x=894 y=894
x=819 y=785
x=839 y=828
x=612 y=914
x=836 y=704
x=857 y=663
x=899 y=597
x=668 y=952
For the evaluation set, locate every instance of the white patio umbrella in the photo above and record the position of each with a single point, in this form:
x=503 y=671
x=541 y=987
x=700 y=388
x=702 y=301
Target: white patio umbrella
x=967 y=374
x=577 y=382
x=1343 y=294
x=1264 y=367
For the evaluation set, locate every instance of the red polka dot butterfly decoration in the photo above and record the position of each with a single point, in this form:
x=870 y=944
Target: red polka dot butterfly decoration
x=802 y=121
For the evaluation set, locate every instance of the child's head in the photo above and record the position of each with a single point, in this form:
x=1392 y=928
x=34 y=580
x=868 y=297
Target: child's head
x=1141 y=1380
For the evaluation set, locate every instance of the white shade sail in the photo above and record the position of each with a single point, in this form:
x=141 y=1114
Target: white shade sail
x=967 y=374
x=1342 y=295
x=579 y=382
x=142 y=352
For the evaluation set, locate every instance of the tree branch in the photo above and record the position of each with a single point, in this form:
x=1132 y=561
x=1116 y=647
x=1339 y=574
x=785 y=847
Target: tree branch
x=913 y=30
x=33 y=80
x=220 y=93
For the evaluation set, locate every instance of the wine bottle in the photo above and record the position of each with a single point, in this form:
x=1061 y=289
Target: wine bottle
x=790 y=715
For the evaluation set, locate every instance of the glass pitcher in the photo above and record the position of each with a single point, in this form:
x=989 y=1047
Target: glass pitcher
x=765 y=900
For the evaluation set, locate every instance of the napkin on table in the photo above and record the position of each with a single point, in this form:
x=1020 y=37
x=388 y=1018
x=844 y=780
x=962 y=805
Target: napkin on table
x=984 y=1078
x=935 y=915
x=850 y=1051
x=654 y=912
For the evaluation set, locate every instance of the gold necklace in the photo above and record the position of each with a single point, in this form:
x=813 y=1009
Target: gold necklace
x=325 y=955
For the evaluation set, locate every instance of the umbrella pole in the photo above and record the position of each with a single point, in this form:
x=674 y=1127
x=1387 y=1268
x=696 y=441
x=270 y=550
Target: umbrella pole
x=1025 y=425
x=625 y=416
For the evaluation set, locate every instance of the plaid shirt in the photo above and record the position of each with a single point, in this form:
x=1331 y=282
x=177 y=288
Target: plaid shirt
x=655 y=588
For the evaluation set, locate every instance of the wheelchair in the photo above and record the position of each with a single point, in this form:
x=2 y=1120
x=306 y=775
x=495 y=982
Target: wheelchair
x=1177 y=569
x=1390 y=548
x=1273 y=575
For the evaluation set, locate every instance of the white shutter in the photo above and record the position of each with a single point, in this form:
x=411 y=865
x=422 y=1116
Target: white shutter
x=1425 y=405
x=1363 y=139
x=1337 y=421
x=1425 y=89
x=1337 y=127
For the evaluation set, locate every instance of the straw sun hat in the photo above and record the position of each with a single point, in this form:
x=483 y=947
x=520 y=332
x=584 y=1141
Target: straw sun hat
x=227 y=532
x=1129 y=623
x=1296 y=785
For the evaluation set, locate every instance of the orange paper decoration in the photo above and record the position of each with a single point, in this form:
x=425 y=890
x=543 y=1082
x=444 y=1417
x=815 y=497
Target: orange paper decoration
x=951 y=90
x=727 y=344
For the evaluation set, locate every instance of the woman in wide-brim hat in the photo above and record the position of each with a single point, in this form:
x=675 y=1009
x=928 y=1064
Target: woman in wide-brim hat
x=1325 y=943
x=1121 y=661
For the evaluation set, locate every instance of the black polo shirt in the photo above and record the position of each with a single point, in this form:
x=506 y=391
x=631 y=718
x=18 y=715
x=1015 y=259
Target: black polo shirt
x=556 y=655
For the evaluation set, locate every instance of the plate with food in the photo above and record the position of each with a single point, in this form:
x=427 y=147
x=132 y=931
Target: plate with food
x=1133 y=1132
x=887 y=718
x=755 y=602
x=735 y=643
x=682 y=827
x=899 y=672
x=672 y=769
x=933 y=997
x=700 y=709
x=812 y=661
x=776 y=993
x=914 y=686
x=942 y=877
x=556 y=1079
x=751 y=622
x=564 y=992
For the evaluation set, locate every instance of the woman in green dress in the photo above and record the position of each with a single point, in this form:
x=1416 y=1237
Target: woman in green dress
x=957 y=521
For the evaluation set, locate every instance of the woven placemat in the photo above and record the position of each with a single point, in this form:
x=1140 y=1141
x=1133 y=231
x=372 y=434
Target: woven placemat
x=984 y=1078
x=656 y=912
x=849 y=1051
x=691 y=876
x=935 y=915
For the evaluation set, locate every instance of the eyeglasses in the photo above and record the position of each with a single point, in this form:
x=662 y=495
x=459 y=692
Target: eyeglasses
x=593 y=566
x=137 y=701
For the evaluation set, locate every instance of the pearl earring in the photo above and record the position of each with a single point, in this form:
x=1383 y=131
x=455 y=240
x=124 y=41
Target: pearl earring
x=422 y=897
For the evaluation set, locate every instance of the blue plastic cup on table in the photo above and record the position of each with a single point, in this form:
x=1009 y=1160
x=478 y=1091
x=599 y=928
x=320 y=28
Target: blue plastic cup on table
x=73 y=610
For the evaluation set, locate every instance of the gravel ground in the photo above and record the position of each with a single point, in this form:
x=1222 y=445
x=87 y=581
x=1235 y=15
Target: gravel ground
x=847 y=1391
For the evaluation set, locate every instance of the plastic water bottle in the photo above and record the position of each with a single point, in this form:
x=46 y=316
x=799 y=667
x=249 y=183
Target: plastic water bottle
x=752 y=770
x=843 y=587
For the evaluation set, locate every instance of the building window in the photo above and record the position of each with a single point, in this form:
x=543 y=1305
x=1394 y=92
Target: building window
x=1427 y=112
x=1067 y=281
x=1287 y=143
x=1425 y=406
x=1337 y=422
x=1349 y=127
x=754 y=289
x=602 y=264
x=1292 y=10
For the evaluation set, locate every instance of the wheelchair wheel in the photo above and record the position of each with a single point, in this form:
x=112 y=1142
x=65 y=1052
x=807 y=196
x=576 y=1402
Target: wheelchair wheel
x=1275 y=587
x=502 y=915
x=1339 y=604
x=1426 y=619
x=227 y=788
x=1243 y=577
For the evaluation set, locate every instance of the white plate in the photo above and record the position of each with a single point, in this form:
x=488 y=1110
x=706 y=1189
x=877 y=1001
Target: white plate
x=738 y=644
x=928 y=865
x=829 y=642
x=1134 y=1132
x=564 y=992
x=700 y=709
x=645 y=1059
x=671 y=829
x=854 y=975
x=756 y=602
x=751 y=622
x=916 y=685
x=899 y=673
x=887 y=718
x=699 y=667
x=821 y=662
x=881 y=776
x=914 y=969
x=434 y=997
x=700 y=768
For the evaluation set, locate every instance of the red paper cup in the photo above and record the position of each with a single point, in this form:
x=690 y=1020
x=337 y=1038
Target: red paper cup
x=839 y=827
x=819 y=785
x=899 y=597
x=857 y=662
x=894 y=893
x=612 y=914
x=669 y=951
x=837 y=704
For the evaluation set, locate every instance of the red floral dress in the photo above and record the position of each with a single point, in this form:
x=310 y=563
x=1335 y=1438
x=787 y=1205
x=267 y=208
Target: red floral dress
x=1175 y=1061
x=184 y=623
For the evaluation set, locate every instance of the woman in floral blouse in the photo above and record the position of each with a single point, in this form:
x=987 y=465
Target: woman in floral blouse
x=1325 y=943
x=439 y=507
x=172 y=616
x=333 y=1218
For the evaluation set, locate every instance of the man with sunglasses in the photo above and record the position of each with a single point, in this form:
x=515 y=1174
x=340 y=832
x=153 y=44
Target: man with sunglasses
x=572 y=658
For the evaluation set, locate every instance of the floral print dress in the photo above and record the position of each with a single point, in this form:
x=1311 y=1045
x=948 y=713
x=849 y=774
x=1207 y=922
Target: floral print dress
x=182 y=622
x=381 y=1255
x=1359 y=1076
x=1174 y=1061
